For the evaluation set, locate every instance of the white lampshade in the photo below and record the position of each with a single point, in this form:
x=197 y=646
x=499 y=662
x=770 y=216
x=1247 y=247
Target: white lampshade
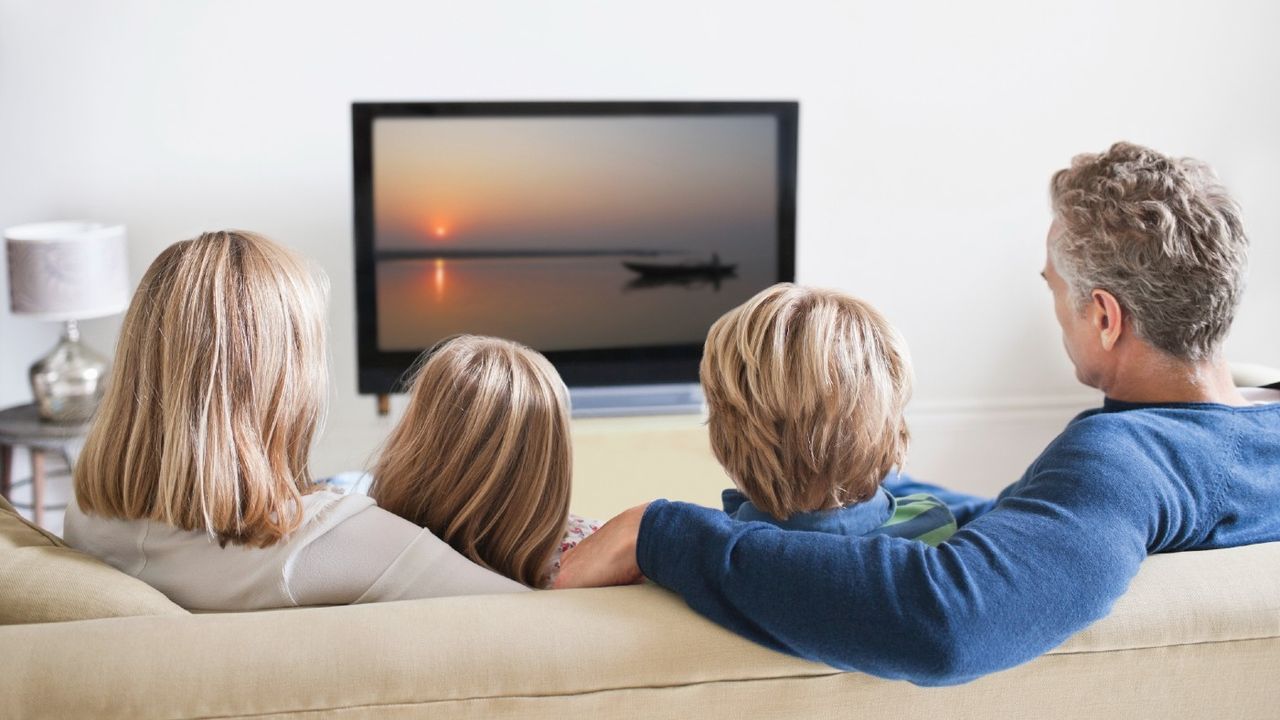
x=67 y=270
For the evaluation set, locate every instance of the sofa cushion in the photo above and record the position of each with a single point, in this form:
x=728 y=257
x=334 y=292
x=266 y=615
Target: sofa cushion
x=43 y=580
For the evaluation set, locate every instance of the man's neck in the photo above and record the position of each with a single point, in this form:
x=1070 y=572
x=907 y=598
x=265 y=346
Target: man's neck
x=1157 y=378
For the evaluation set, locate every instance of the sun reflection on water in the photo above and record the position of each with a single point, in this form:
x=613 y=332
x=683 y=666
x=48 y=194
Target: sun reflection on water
x=439 y=278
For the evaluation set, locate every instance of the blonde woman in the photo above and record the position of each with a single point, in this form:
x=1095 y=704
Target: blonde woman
x=194 y=474
x=482 y=457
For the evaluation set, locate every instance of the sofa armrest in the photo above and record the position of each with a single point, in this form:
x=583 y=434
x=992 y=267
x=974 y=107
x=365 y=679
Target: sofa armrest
x=1251 y=375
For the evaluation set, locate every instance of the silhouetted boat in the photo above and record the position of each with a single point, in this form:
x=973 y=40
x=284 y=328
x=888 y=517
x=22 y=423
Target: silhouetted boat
x=712 y=269
x=688 y=282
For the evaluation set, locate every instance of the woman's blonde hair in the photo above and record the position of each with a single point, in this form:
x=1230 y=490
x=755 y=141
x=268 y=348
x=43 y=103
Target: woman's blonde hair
x=805 y=391
x=219 y=384
x=482 y=455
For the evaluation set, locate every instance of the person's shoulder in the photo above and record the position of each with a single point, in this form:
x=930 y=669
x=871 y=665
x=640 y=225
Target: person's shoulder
x=1096 y=450
x=917 y=502
x=326 y=510
x=1094 y=434
x=732 y=499
x=921 y=516
x=1128 y=433
x=327 y=502
x=98 y=535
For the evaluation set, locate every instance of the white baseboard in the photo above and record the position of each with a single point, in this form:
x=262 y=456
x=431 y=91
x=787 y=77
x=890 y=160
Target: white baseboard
x=1024 y=404
x=981 y=446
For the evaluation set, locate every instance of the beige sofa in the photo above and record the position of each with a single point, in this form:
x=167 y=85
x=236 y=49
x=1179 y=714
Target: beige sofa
x=1197 y=635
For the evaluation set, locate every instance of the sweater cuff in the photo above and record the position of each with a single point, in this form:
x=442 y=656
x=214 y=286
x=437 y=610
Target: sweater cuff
x=659 y=542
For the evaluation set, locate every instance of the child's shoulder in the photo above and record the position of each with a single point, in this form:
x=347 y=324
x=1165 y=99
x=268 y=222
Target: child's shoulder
x=732 y=499
x=920 y=516
x=576 y=529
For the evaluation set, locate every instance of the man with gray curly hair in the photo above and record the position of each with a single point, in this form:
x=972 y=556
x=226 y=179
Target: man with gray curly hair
x=1145 y=259
x=1148 y=254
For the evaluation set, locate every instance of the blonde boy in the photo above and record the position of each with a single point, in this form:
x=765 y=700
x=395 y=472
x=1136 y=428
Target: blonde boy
x=806 y=390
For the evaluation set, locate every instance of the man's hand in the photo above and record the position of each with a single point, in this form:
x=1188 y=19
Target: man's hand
x=606 y=557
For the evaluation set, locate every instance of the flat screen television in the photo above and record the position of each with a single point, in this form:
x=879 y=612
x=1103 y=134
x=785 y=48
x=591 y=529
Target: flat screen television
x=606 y=235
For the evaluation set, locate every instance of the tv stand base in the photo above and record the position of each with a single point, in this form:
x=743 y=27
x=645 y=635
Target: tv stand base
x=671 y=399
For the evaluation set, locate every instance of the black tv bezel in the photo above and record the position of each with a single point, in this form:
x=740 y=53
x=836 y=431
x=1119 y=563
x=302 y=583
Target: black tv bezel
x=380 y=372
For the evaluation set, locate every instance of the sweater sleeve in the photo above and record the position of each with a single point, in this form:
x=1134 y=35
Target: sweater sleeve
x=1049 y=560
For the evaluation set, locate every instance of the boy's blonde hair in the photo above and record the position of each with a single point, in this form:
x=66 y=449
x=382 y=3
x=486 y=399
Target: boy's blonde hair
x=805 y=390
x=482 y=455
x=218 y=386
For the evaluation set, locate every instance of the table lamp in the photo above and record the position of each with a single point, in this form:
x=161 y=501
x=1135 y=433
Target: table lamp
x=67 y=271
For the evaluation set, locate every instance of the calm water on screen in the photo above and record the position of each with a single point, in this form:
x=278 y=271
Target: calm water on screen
x=558 y=303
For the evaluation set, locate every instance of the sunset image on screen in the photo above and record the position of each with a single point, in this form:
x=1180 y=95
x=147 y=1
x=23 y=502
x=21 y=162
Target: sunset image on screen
x=570 y=233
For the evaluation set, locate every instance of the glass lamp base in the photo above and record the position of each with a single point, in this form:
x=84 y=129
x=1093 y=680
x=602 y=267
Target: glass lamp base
x=68 y=382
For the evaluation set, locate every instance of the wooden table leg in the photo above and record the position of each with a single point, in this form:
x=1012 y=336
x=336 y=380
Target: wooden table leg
x=6 y=470
x=37 y=486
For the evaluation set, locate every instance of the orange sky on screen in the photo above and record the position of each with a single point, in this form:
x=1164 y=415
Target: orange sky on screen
x=512 y=182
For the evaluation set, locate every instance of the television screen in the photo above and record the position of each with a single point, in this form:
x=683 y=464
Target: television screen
x=600 y=234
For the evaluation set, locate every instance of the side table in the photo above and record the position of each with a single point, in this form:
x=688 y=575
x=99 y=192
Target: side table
x=20 y=426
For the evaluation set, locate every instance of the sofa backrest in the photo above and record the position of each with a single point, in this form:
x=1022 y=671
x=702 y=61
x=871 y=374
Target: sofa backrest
x=43 y=580
x=1197 y=635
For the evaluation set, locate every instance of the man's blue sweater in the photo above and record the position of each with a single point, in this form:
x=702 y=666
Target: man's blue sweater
x=1025 y=571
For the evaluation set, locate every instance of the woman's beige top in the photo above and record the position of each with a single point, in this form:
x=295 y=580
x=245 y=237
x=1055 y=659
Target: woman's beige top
x=347 y=550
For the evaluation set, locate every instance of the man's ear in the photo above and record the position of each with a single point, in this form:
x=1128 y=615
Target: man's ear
x=1107 y=318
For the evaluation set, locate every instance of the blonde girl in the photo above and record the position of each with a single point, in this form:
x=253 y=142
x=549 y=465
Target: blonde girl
x=482 y=457
x=194 y=474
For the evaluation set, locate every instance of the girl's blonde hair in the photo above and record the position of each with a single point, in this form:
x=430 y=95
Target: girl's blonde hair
x=805 y=391
x=218 y=386
x=482 y=455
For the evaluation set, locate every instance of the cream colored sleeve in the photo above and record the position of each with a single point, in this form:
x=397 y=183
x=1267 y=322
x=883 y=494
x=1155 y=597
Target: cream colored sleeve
x=375 y=556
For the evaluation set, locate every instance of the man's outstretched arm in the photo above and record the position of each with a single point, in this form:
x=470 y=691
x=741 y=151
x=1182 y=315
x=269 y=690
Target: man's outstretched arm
x=1011 y=585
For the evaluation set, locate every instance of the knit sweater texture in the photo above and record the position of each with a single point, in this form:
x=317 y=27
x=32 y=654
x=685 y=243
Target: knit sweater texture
x=1046 y=558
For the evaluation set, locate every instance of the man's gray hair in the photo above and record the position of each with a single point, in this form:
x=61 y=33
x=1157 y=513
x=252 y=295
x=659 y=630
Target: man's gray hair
x=1161 y=235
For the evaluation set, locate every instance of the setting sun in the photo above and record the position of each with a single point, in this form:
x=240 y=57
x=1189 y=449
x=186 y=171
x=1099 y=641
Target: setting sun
x=440 y=231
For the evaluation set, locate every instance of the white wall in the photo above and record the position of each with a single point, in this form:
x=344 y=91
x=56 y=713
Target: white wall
x=928 y=134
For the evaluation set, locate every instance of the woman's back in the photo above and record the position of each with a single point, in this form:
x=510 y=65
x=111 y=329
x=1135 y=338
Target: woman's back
x=346 y=550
